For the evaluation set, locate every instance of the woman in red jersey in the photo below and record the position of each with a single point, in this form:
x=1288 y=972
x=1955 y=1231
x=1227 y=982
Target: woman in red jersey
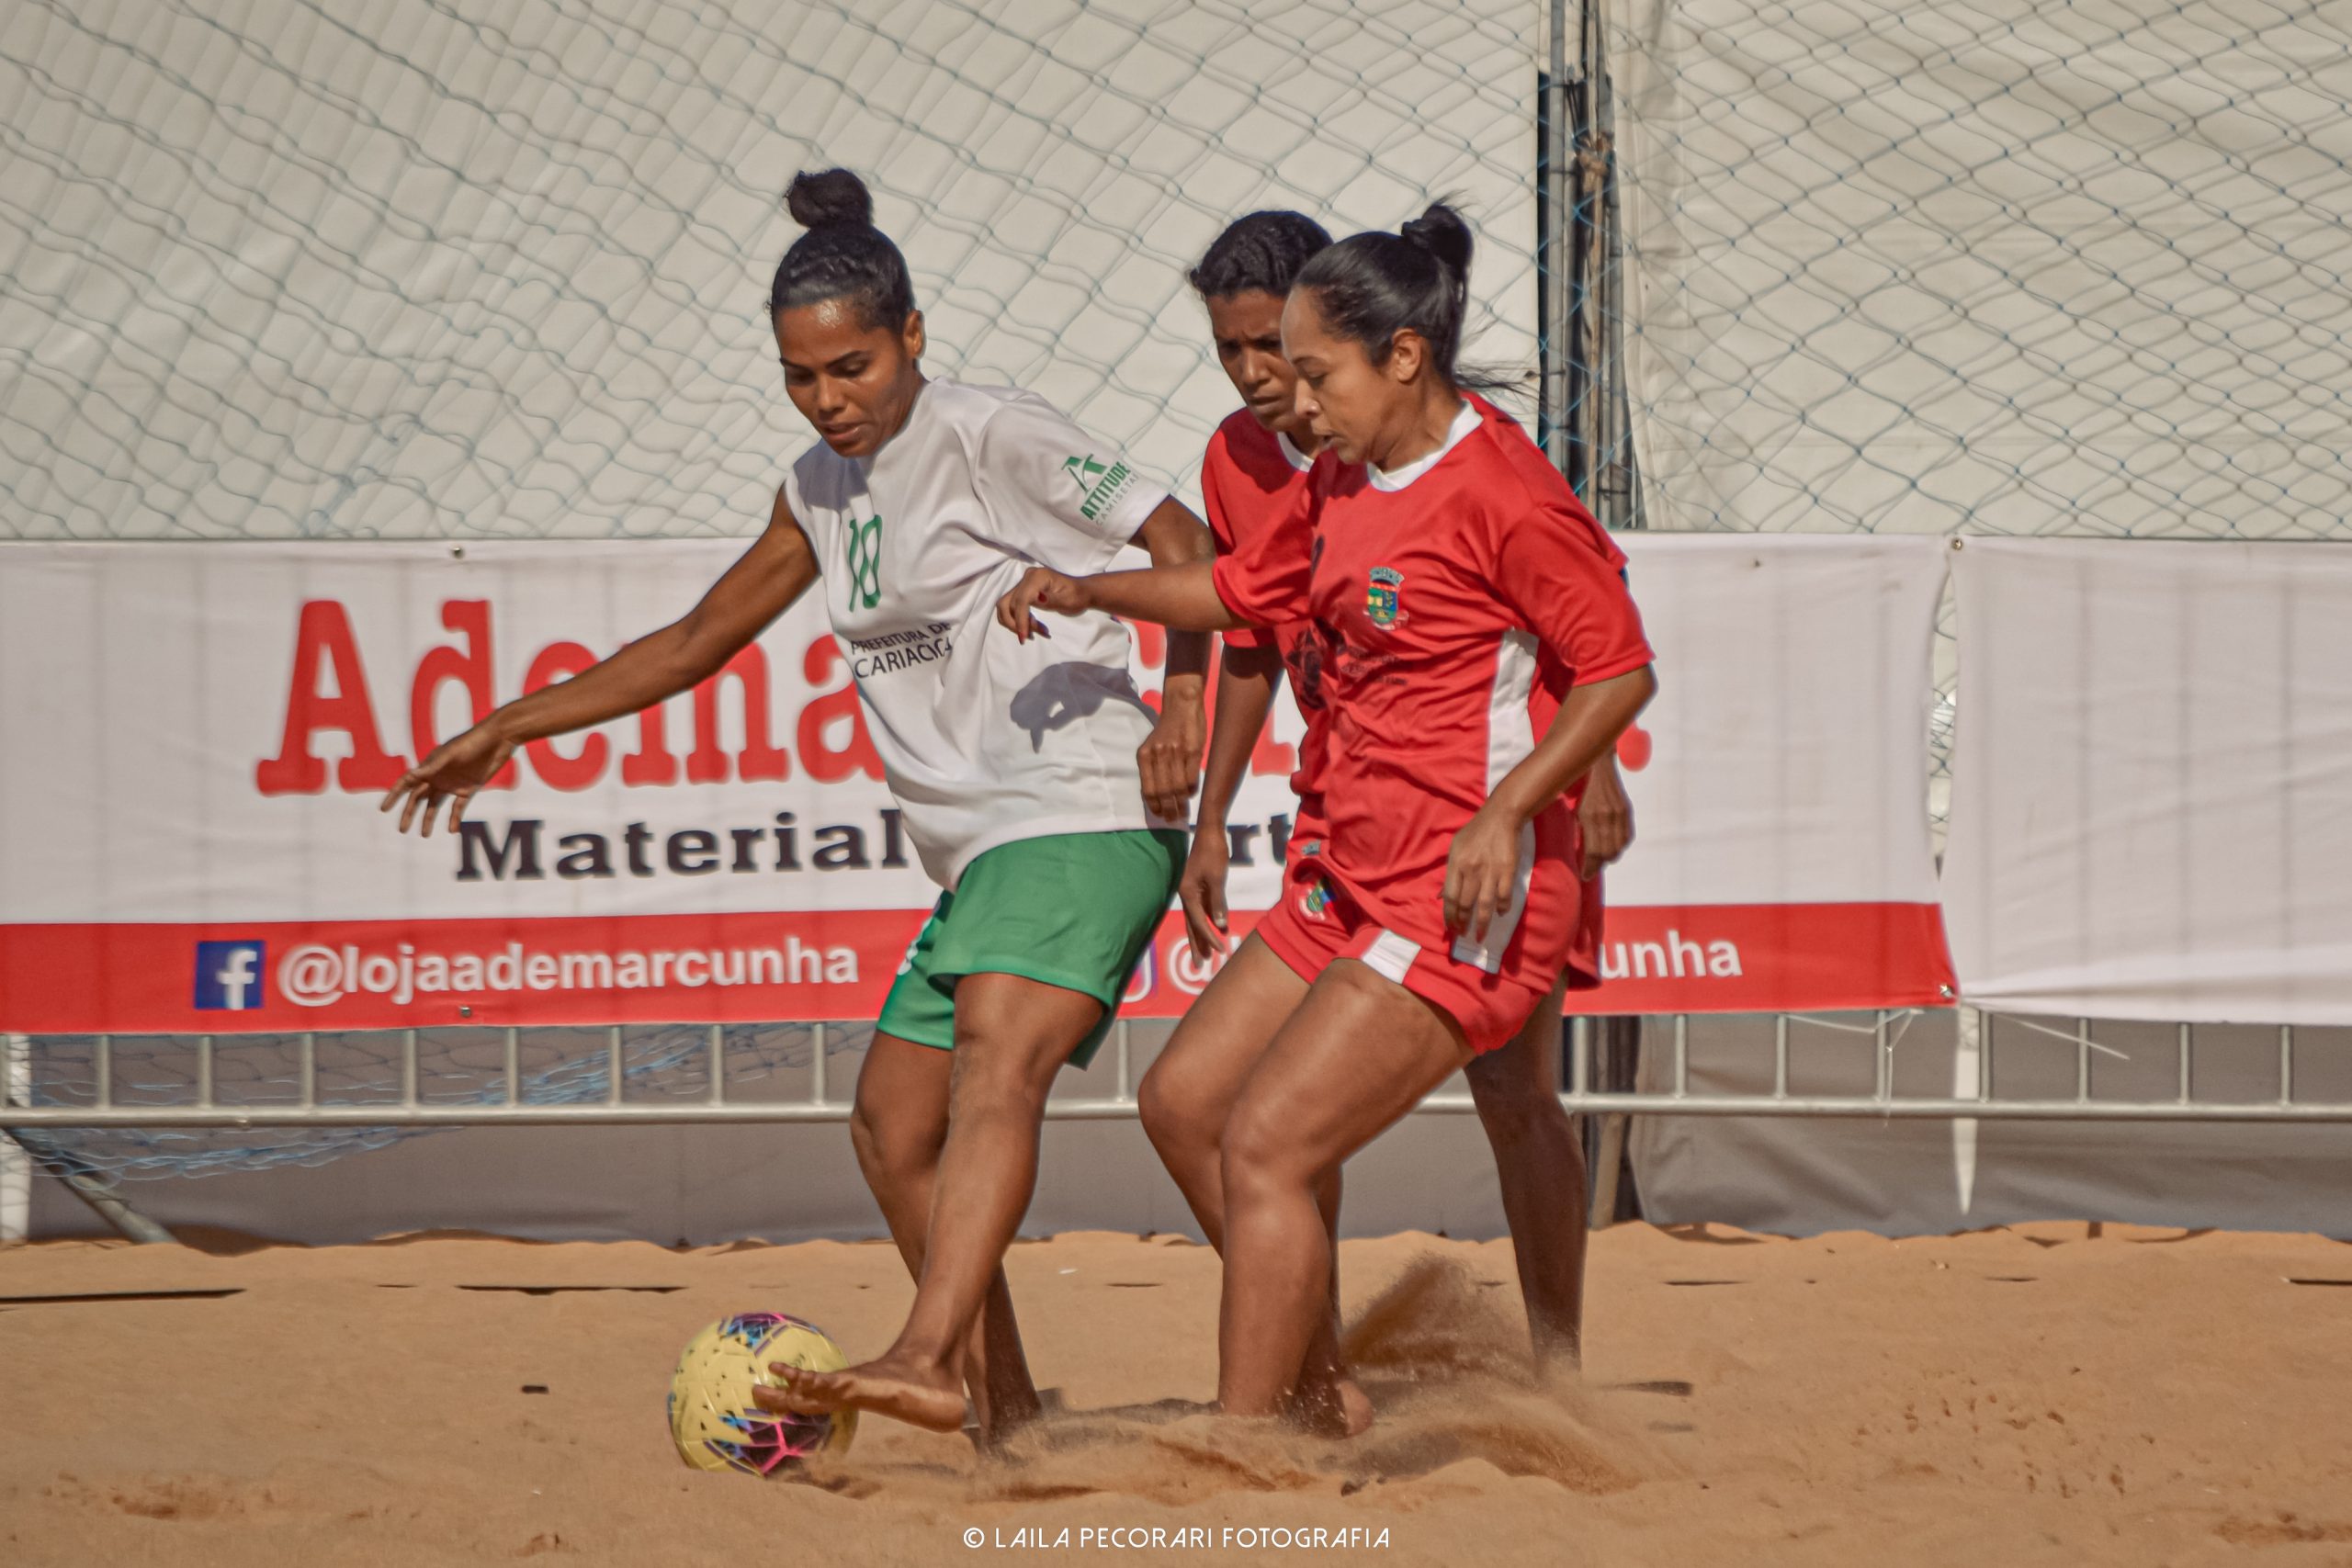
x=1479 y=654
x=1255 y=470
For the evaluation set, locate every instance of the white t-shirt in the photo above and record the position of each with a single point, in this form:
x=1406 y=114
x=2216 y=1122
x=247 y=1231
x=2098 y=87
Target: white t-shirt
x=984 y=740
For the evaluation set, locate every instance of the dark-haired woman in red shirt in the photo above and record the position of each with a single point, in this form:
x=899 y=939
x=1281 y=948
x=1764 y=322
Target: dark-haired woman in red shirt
x=1479 y=653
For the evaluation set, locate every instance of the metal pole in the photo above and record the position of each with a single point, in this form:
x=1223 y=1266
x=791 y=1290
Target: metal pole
x=1969 y=1076
x=1614 y=497
x=1553 y=265
x=1604 y=1180
x=16 y=1161
x=1885 y=1054
x=818 y=1088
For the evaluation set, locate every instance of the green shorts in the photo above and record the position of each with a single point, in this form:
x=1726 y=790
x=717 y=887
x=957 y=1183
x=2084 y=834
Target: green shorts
x=1073 y=910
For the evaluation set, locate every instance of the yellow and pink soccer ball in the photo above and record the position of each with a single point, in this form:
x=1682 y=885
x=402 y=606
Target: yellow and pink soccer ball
x=712 y=1417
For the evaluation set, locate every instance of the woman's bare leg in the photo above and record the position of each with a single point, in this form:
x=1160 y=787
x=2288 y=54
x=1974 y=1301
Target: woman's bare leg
x=1012 y=1035
x=898 y=1126
x=1185 y=1100
x=1359 y=1053
x=1540 y=1162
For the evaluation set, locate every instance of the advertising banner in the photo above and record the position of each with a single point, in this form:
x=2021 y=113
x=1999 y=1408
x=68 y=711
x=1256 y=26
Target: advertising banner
x=194 y=740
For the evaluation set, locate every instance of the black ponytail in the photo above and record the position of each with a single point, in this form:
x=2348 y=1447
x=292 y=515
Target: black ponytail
x=842 y=255
x=1262 y=252
x=1443 y=233
x=1371 y=286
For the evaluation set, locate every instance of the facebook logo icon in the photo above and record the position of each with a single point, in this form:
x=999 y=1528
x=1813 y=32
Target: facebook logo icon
x=228 y=975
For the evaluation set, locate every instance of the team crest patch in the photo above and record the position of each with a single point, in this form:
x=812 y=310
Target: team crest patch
x=1380 y=595
x=1316 y=899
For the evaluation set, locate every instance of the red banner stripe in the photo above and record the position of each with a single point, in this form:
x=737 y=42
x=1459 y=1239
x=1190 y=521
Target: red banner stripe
x=266 y=976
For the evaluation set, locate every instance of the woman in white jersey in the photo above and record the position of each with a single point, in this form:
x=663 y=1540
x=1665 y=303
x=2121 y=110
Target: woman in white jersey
x=1033 y=780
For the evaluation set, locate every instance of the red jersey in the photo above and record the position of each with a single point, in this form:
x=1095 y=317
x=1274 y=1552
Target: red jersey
x=1250 y=480
x=1456 y=602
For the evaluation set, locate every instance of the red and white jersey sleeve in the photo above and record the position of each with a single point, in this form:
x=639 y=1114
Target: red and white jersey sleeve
x=1249 y=479
x=1265 y=582
x=1258 y=488
x=1567 y=592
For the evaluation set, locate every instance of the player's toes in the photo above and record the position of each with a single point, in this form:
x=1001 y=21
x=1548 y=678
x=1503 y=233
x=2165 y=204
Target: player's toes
x=803 y=1392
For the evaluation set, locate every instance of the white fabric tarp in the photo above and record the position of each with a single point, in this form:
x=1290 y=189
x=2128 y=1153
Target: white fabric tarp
x=2152 y=812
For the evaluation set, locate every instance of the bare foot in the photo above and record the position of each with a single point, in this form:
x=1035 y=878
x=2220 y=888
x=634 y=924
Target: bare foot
x=909 y=1391
x=1356 y=1405
x=1337 y=1408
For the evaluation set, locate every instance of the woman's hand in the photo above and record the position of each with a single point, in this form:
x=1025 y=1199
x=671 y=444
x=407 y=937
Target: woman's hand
x=1170 y=758
x=1201 y=890
x=1041 y=589
x=1606 y=816
x=1482 y=872
x=455 y=770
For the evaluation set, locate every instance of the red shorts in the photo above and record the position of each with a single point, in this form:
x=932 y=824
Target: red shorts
x=1316 y=922
x=1583 y=967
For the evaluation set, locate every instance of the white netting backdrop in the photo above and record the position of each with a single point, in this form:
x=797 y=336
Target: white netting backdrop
x=382 y=268
x=1989 y=265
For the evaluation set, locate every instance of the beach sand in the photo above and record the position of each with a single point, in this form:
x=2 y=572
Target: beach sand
x=2059 y=1394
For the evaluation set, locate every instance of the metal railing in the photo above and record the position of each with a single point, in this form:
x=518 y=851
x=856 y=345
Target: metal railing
x=1974 y=1093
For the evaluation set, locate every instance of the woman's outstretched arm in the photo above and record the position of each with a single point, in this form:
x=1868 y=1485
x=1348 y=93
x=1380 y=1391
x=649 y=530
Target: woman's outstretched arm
x=759 y=587
x=1181 y=598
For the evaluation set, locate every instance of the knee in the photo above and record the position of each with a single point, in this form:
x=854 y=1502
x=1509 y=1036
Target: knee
x=1002 y=1075
x=894 y=1140
x=1176 y=1114
x=1259 y=1154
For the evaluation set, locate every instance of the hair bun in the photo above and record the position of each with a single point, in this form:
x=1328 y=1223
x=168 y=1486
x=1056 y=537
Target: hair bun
x=1443 y=233
x=832 y=198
